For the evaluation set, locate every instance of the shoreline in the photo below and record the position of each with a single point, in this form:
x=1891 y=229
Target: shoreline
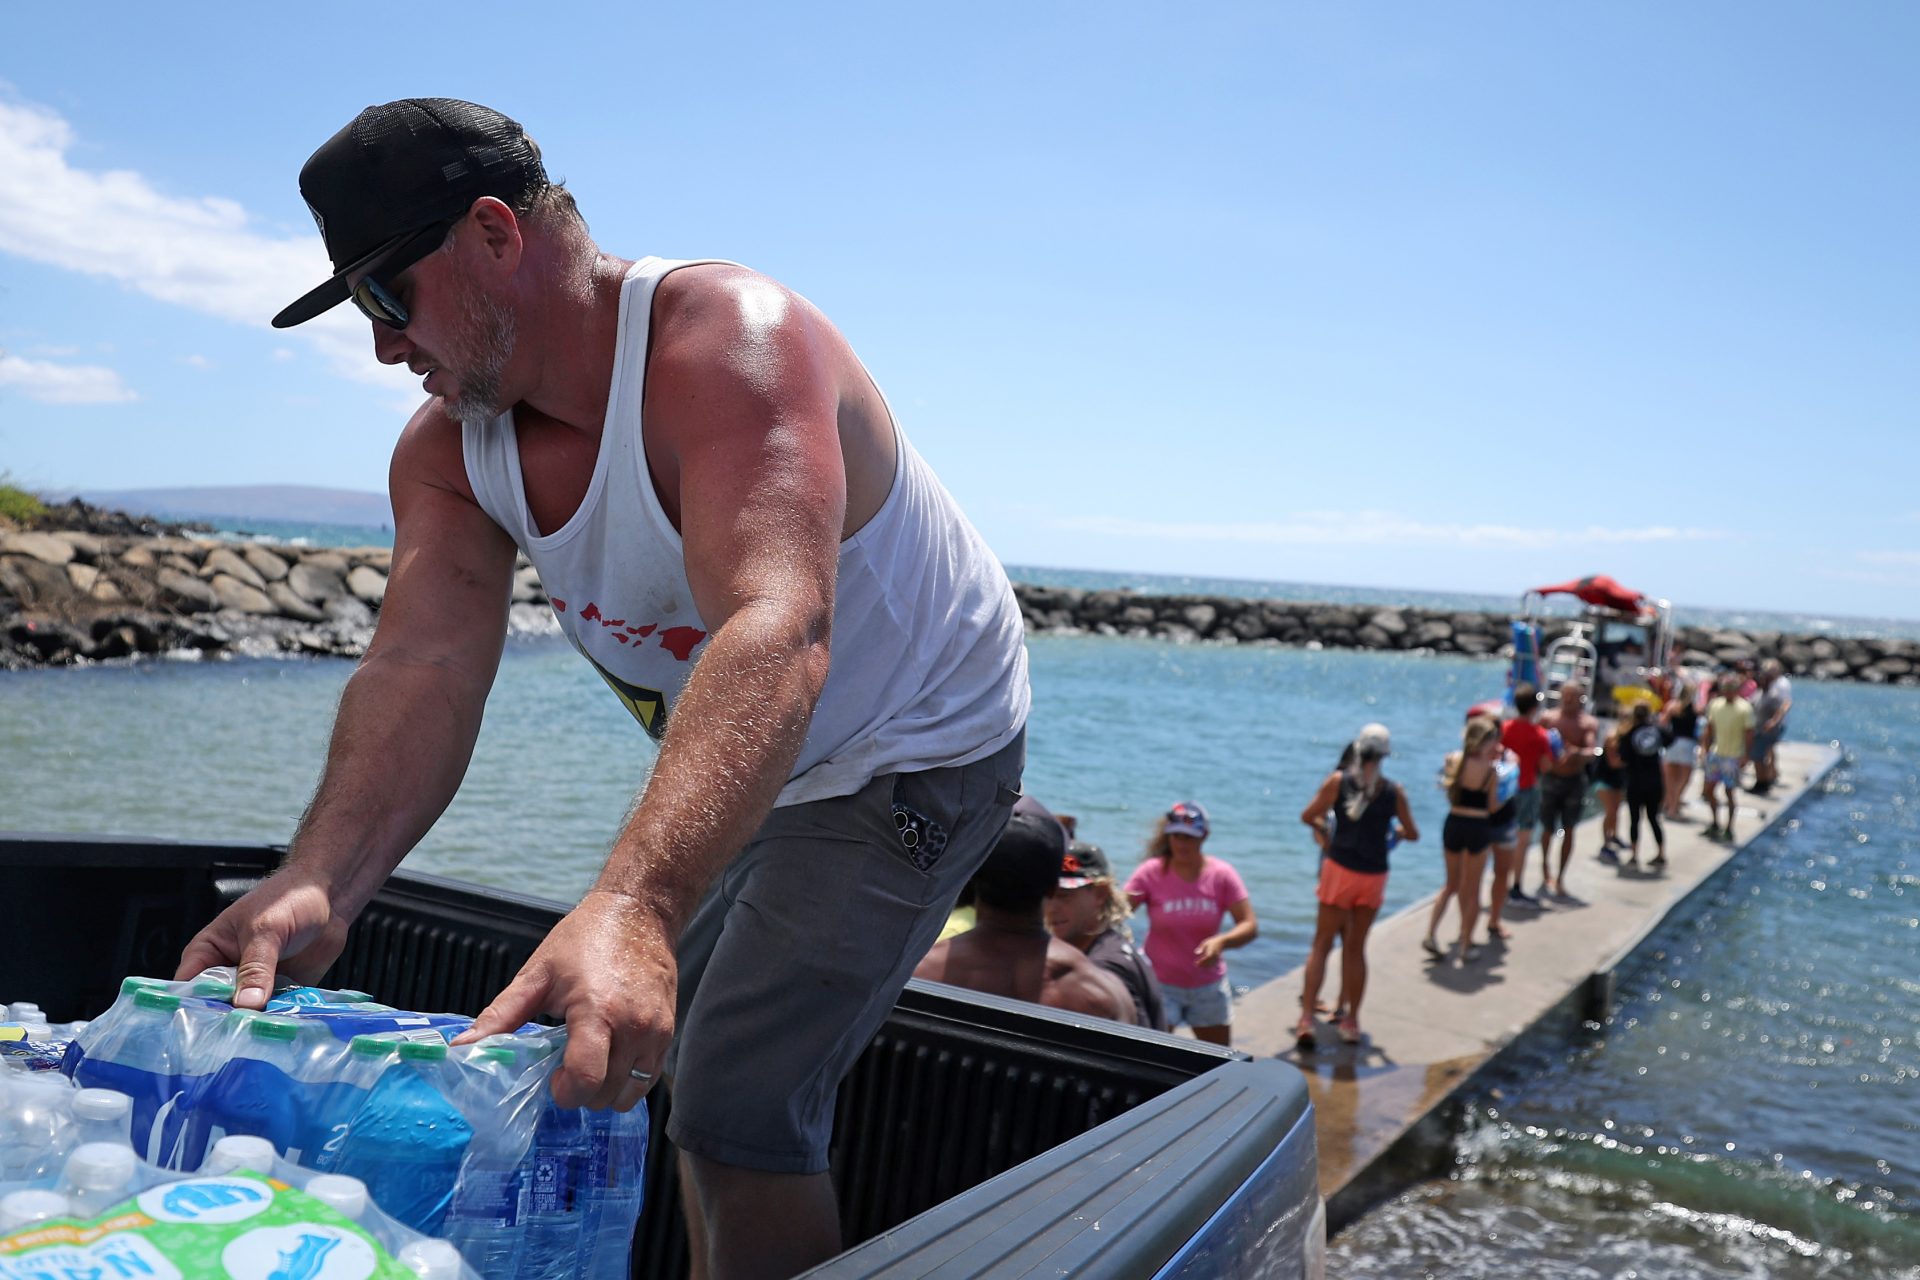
x=112 y=590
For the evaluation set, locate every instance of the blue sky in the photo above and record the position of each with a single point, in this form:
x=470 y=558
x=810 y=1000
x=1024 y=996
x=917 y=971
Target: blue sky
x=1455 y=297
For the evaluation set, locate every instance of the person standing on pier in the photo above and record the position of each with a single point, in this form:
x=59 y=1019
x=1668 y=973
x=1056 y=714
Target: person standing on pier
x=1729 y=742
x=1563 y=788
x=1470 y=782
x=1531 y=746
x=1770 y=721
x=1642 y=750
x=1185 y=893
x=1352 y=817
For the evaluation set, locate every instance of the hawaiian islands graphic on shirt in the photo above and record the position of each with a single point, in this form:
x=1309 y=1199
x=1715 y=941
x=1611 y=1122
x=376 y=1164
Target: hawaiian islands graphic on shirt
x=648 y=706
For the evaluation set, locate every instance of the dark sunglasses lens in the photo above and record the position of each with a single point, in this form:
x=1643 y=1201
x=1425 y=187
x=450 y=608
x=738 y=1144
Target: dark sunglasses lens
x=377 y=304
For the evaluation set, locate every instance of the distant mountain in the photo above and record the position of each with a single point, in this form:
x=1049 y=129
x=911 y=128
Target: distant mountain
x=296 y=503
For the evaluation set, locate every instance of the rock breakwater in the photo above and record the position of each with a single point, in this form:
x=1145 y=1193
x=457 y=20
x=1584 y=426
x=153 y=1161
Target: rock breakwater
x=114 y=591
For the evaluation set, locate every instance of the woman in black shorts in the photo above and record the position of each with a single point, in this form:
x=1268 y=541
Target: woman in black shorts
x=1468 y=833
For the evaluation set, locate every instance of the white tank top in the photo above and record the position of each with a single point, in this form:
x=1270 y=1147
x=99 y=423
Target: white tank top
x=929 y=664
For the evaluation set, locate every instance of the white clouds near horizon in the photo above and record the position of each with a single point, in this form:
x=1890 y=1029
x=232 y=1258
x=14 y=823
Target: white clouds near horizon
x=197 y=252
x=1377 y=528
x=53 y=383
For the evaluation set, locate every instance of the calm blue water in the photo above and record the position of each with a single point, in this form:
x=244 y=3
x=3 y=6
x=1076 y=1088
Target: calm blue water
x=1782 y=1022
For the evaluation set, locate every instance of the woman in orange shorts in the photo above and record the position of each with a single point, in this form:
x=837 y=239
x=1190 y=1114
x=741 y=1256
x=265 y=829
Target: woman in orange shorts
x=1352 y=816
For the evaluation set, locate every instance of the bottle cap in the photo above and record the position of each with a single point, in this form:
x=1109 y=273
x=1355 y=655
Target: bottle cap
x=213 y=989
x=498 y=1053
x=339 y=1192
x=131 y=986
x=420 y=1051
x=101 y=1104
x=158 y=1001
x=101 y=1166
x=432 y=1259
x=352 y=997
x=239 y=1151
x=274 y=1027
x=371 y=1047
x=24 y=1208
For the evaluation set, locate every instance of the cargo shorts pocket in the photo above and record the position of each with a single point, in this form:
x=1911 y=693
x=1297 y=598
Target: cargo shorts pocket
x=922 y=837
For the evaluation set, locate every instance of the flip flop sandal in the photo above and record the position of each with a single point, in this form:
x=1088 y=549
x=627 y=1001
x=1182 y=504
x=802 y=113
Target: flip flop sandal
x=1433 y=948
x=1303 y=1036
x=1349 y=1031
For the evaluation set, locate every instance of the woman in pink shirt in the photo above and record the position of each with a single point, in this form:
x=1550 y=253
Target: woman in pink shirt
x=1186 y=893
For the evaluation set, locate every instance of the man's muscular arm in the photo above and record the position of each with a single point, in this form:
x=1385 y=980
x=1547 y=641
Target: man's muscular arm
x=403 y=734
x=742 y=391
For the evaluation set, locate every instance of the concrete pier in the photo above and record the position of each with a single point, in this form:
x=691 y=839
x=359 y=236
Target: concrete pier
x=1385 y=1109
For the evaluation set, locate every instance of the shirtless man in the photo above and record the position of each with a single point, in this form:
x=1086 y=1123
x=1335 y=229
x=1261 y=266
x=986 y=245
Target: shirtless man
x=1563 y=781
x=683 y=451
x=1009 y=952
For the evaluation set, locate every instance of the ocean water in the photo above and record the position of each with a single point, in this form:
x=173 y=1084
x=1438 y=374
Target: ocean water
x=1750 y=1110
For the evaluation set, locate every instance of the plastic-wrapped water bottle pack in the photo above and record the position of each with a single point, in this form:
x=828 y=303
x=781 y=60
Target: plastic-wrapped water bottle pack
x=461 y=1142
x=76 y=1201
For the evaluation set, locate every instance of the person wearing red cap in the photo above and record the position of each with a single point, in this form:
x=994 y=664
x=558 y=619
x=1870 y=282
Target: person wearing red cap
x=1186 y=893
x=732 y=529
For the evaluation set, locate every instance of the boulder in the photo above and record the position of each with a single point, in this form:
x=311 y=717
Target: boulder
x=368 y=584
x=1891 y=666
x=1832 y=669
x=1177 y=632
x=380 y=558
x=1200 y=617
x=269 y=566
x=186 y=592
x=180 y=564
x=51 y=642
x=139 y=558
x=1372 y=637
x=1332 y=618
x=83 y=577
x=1250 y=625
x=34 y=582
x=239 y=596
x=291 y=605
x=120 y=642
x=43 y=547
x=1435 y=633
x=226 y=560
x=325 y=560
x=1389 y=621
x=86 y=546
x=104 y=590
x=1477 y=644
x=317 y=583
x=1136 y=615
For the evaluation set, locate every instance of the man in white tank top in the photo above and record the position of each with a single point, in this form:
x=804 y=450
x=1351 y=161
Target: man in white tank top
x=799 y=795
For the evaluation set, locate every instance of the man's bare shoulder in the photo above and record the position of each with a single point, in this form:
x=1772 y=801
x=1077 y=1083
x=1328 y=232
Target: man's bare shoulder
x=430 y=452
x=713 y=300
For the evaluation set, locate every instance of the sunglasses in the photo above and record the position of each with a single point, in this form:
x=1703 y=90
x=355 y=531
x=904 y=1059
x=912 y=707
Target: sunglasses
x=376 y=300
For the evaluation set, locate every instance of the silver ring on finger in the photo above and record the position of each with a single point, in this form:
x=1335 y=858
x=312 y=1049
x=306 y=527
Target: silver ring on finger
x=641 y=1076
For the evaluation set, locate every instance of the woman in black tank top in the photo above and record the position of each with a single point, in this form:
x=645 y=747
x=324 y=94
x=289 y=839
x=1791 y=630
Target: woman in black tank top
x=1683 y=752
x=1352 y=818
x=1468 y=833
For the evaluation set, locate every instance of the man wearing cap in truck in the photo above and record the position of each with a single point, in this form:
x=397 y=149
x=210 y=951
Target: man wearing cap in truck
x=732 y=530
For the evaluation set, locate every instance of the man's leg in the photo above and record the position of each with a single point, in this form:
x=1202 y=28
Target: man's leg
x=742 y=1222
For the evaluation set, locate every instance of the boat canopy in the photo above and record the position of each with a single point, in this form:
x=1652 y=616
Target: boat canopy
x=1597 y=589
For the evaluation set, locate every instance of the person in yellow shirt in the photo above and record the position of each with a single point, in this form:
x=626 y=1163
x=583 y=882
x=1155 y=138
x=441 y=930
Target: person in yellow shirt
x=1728 y=742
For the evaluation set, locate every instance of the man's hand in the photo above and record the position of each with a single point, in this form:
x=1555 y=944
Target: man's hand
x=608 y=969
x=285 y=925
x=1208 y=952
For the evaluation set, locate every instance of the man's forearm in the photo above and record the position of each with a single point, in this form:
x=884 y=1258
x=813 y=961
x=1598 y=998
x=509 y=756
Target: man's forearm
x=401 y=742
x=729 y=749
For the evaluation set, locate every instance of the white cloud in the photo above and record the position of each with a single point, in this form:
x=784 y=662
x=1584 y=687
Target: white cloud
x=197 y=252
x=197 y=362
x=1375 y=528
x=1897 y=559
x=51 y=383
x=282 y=354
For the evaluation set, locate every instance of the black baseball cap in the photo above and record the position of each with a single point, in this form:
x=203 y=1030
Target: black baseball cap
x=1024 y=866
x=398 y=169
x=1084 y=864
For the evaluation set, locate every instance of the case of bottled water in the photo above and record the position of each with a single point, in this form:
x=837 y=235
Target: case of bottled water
x=456 y=1142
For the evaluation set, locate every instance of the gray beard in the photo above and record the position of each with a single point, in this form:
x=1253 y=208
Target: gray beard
x=484 y=369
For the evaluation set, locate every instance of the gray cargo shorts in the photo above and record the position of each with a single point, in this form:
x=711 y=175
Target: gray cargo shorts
x=798 y=951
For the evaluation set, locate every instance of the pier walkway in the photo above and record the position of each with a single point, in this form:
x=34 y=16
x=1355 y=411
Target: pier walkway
x=1382 y=1107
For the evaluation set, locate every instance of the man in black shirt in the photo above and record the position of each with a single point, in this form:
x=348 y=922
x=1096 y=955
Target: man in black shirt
x=1089 y=911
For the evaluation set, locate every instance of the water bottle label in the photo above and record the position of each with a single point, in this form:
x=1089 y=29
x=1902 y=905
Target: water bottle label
x=490 y=1196
x=556 y=1177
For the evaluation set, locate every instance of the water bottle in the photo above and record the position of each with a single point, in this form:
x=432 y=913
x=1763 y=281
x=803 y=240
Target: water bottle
x=139 y=1053
x=345 y=1196
x=486 y=1219
x=1556 y=742
x=25 y=1011
x=432 y=1259
x=408 y=1140
x=24 y=1209
x=107 y=1024
x=264 y=1087
x=35 y=1127
x=340 y=1099
x=616 y=1189
x=556 y=1183
x=102 y=1115
x=240 y=1151
x=99 y=1176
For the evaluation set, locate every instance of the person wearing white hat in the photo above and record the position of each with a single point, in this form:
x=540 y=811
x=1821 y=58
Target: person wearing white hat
x=1352 y=818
